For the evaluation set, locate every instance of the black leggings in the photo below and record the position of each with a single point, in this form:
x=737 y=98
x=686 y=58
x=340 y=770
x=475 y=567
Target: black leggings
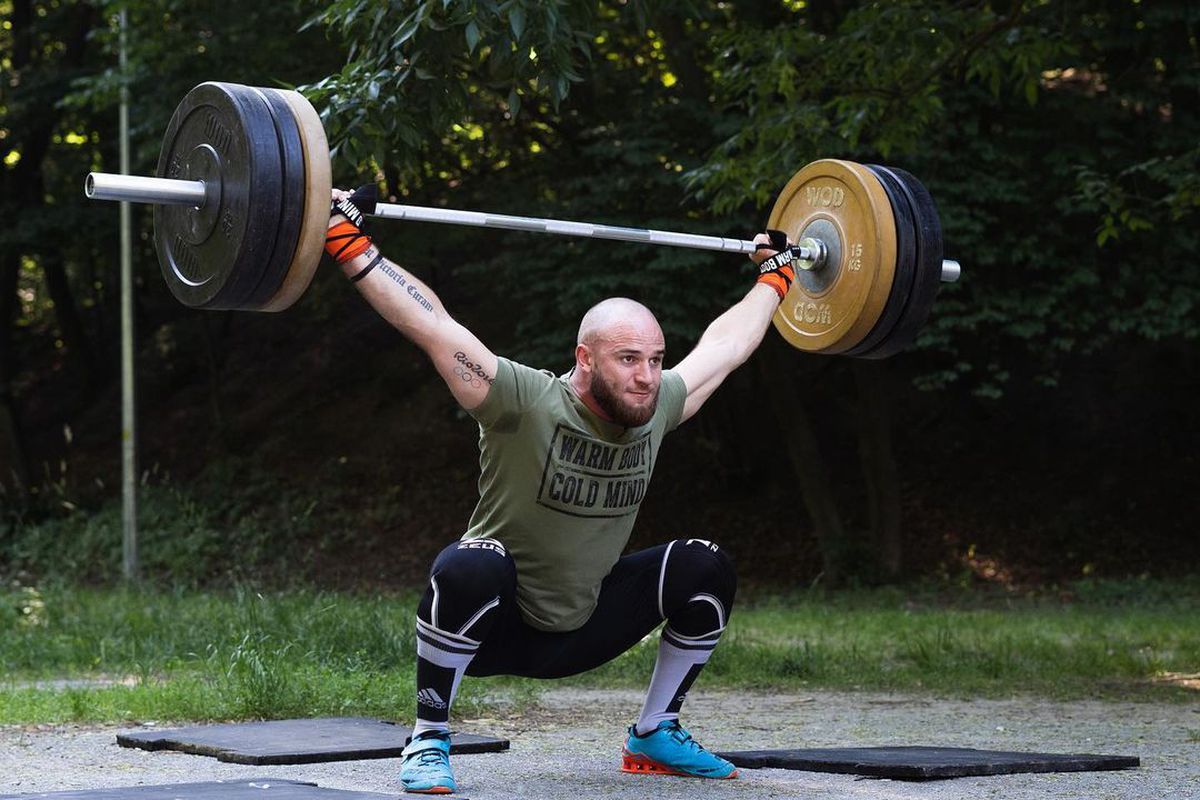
x=693 y=590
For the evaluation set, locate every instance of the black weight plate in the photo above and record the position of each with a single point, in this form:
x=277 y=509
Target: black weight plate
x=211 y=256
x=267 y=199
x=291 y=213
x=906 y=263
x=929 y=267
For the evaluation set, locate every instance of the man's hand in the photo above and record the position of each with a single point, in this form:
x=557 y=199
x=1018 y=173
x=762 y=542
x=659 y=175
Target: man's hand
x=773 y=257
x=346 y=238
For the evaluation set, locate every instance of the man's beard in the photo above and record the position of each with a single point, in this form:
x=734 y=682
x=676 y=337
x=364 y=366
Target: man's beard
x=617 y=409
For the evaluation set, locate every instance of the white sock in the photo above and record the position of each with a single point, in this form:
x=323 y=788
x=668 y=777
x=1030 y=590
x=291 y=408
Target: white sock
x=442 y=658
x=680 y=660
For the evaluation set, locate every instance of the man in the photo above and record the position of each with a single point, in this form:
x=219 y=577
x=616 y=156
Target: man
x=537 y=585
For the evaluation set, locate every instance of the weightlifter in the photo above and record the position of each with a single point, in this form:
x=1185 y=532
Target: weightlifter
x=537 y=586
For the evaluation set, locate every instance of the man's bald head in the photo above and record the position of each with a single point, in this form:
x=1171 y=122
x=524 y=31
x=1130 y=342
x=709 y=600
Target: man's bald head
x=618 y=361
x=615 y=315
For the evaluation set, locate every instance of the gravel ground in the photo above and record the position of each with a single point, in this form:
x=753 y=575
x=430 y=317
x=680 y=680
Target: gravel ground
x=568 y=747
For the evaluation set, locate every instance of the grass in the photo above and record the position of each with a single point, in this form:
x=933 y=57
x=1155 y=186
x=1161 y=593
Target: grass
x=1057 y=652
x=118 y=655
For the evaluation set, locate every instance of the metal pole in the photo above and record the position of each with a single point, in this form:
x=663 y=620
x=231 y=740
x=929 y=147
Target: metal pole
x=128 y=429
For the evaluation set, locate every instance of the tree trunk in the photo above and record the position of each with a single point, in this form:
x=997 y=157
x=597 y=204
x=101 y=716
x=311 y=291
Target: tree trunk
x=79 y=347
x=23 y=196
x=13 y=457
x=215 y=353
x=879 y=464
x=799 y=440
x=14 y=472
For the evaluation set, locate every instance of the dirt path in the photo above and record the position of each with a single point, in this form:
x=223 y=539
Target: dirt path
x=568 y=747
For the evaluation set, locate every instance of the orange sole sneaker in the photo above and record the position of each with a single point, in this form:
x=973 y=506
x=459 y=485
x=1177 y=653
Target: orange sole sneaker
x=643 y=765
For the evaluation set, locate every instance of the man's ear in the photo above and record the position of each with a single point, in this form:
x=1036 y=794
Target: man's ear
x=583 y=357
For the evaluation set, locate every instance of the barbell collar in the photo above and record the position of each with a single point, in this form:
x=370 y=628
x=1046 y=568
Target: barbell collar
x=168 y=191
x=810 y=253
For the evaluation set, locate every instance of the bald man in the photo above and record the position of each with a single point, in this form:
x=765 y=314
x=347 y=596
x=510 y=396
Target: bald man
x=537 y=585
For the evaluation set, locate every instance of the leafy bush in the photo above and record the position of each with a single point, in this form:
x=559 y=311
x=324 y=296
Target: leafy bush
x=237 y=522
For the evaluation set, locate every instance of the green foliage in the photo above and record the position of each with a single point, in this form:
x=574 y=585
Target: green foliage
x=418 y=68
x=1058 y=138
x=869 y=82
x=173 y=45
x=21 y=606
x=570 y=109
x=258 y=673
x=235 y=521
x=58 y=121
x=612 y=151
x=1050 y=134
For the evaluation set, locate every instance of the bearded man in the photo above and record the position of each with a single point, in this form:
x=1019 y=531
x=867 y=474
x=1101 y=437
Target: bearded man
x=537 y=585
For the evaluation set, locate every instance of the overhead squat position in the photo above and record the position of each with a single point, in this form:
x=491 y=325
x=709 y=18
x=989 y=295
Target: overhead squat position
x=537 y=585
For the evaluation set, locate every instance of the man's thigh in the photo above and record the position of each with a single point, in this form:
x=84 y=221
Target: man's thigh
x=627 y=610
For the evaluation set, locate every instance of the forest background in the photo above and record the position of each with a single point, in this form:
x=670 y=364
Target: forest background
x=1041 y=433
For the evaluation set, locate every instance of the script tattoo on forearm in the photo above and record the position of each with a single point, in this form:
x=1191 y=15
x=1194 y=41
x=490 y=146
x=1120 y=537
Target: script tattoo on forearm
x=413 y=291
x=470 y=372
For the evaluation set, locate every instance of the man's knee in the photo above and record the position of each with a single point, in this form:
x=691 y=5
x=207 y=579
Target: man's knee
x=698 y=587
x=468 y=581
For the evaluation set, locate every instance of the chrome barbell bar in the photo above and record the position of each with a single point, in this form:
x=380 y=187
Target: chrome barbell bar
x=167 y=191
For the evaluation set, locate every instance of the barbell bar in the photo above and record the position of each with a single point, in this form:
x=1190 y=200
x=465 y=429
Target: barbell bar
x=167 y=191
x=242 y=196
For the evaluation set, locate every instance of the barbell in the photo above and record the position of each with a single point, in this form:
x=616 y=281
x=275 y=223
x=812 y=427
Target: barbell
x=241 y=204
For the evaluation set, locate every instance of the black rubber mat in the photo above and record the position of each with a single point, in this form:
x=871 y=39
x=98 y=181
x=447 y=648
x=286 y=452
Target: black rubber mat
x=924 y=763
x=254 y=789
x=298 y=741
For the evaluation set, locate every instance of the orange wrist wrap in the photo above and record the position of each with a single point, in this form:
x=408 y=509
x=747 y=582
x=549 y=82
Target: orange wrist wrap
x=779 y=280
x=344 y=241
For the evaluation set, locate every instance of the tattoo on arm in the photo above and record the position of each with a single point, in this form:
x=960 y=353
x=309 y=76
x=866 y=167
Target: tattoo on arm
x=413 y=291
x=470 y=372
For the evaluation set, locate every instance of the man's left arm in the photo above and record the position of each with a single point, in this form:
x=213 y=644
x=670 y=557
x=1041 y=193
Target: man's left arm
x=732 y=337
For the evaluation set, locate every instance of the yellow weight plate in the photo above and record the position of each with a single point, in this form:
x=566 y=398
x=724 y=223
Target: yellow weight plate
x=833 y=308
x=319 y=184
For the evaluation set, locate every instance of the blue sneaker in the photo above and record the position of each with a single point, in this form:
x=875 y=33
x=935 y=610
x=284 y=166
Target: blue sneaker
x=671 y=750
x=426 y=766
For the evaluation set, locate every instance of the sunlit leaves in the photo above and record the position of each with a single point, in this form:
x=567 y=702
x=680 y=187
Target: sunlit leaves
x=439 y=60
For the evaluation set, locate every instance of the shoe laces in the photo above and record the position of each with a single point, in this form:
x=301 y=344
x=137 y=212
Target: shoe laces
x=680 y=734
x=431 y=755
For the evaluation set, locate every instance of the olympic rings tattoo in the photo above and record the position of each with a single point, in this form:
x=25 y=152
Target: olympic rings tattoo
x=467 y=377
x=470 y=368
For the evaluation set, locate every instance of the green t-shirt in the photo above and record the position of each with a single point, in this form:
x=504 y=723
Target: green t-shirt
x=560 y=487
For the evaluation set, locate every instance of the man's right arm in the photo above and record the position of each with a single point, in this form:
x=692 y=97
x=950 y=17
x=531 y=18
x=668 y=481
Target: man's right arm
x=465 y=364
x=733 y=336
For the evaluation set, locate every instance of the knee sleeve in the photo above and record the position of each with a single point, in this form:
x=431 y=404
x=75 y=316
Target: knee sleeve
x=696 y=588
x=468 y=581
